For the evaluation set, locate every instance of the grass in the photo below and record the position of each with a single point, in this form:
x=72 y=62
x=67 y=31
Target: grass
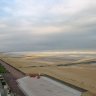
x=2 y=69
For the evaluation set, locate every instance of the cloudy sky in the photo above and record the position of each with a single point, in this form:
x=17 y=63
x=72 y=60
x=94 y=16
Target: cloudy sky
x=37 y=25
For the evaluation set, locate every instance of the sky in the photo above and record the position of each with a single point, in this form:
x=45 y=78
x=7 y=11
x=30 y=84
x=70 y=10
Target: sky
x=39 y=25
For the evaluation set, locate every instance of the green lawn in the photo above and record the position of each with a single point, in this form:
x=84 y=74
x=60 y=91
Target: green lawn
x=2 y=69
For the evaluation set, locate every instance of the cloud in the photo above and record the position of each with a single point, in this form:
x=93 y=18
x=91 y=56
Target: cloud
x=47 y=24
x=3 y=25
x=70 y=7
x=28 y=15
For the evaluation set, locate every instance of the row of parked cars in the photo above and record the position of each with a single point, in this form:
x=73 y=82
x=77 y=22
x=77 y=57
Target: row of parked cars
x=5 y=90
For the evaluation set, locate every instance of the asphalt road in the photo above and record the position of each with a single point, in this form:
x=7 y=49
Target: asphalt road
x=11 y=76
x=16 y=73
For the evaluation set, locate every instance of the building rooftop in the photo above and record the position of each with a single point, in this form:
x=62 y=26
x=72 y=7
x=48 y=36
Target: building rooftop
x=45 y=86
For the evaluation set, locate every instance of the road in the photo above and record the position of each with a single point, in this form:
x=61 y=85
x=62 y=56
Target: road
x=15 y=72
x=11 y=76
